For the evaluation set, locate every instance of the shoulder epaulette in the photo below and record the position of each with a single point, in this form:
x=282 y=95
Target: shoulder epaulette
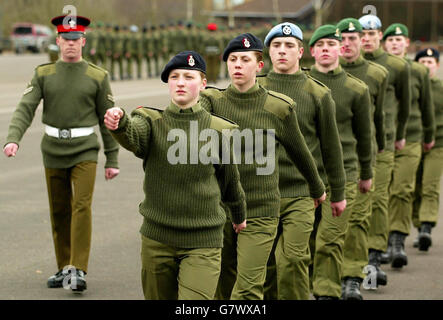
x=219 y=123
x=359 y=89
x=148 y=112
x=317 y=81
x=279 y=104
x=45 y=69
x=96 y=72
x=216 y=88
x=379 y=66
x=281 y=96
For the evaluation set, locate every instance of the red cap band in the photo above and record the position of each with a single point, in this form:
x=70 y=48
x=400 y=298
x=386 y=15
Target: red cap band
x=68 y=28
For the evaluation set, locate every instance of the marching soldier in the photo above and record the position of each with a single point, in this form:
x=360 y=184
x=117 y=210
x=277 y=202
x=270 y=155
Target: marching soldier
x=353 y=106
x=375 y=77
x=212 y=51
x=244 y=257
x=101 y=45
x=420 y=131
x=181 y=239
x=147 y=49
x=396 y=107
x=427 y=190
x=117 y=53
x=316 y=117
x=76 y=95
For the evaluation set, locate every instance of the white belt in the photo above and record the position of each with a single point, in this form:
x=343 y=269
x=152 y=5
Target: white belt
x=68 y=133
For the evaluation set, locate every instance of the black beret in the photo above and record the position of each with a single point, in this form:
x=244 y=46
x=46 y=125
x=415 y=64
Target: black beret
x=190 y=60
x=243 y=42
x=428 y=52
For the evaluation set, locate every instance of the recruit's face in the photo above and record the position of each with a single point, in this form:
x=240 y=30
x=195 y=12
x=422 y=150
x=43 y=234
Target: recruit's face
x=70 y=50
x=243 y=67
x=285 y=54
x=397 y=45
x=185 y=86
x=431 y=63
x=326 y=51
x=351 y=45
x=370 y=40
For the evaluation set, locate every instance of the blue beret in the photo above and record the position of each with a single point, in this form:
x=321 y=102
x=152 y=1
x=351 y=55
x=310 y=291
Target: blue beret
x=285 y=29
x=428 y=52
x=190 y=60
x=370 y=22
x=243 y=42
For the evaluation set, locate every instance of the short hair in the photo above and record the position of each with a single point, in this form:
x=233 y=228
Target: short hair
x=259 y=55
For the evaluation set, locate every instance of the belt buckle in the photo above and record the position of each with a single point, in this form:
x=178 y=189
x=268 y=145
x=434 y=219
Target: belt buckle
x=64 y=133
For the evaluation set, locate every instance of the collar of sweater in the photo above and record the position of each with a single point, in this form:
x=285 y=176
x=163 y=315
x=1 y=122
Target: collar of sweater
x=358 y=62
x=254 y=92
x=375 y=54
x=274 y=76
x=190 y=113
x=337 y=72
x=176 y=109
x=71 y=64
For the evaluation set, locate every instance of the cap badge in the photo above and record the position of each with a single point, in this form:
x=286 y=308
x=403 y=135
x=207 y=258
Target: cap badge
x=246 y=43
x=286 y=30
x=337 y=33
x=72 y=23
x=372 y=24
x=351 y=26
x=429 y=52
x=398 y=30
x=191 y=61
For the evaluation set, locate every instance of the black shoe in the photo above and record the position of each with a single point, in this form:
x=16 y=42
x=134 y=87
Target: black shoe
x=424 y=237
x=399 y=258
x=352 y=289
x=374 y=260
x=386 y=257
x=56 y=280
x=77 y=281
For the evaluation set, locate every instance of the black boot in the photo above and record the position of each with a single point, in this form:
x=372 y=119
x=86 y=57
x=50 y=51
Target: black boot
x=386 y=257
x=424 y=236
x=399 y=258
x=352 y=289
x=374 y=260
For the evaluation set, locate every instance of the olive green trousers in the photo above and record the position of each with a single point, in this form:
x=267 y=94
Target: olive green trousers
x=287 y=276
x=401 y=191
x=379 y=222
x=171 y=273
x=329 y=242
x=427 y=190
x=70 y=197
x=356 y=241
x=244 y=259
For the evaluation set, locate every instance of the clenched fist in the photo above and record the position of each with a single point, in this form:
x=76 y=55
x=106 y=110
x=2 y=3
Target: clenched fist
x=10 y=149
x=112 y=118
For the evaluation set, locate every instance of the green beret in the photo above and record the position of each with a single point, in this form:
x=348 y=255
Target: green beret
x=396 y=29
x=328 y=31
x=350 y=25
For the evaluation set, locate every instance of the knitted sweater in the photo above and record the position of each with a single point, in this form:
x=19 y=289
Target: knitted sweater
x=183 y=194
x=352 y=103
x=397 y=104
x=260 y=109
x=421 y=122
x=375 y=76
x=74 y=95
x=437 y=97
x=315 y=111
